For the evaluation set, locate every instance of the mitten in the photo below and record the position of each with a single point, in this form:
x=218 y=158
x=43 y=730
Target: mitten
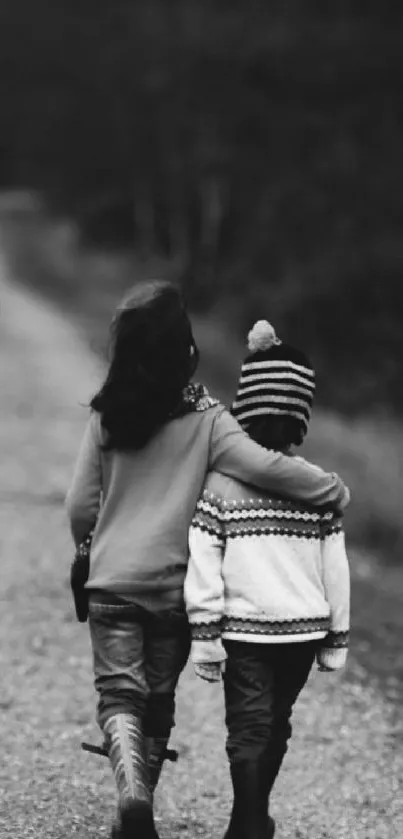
x=209 y=659
x=331 y=658
x=210 y=672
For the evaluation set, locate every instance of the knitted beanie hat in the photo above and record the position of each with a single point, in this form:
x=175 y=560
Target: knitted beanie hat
x=275 y=379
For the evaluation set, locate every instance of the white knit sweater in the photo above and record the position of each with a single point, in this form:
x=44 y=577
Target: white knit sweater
x=265 y=570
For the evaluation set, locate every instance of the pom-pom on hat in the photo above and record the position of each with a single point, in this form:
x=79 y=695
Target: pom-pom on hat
x=276 y=379
x=262 y=336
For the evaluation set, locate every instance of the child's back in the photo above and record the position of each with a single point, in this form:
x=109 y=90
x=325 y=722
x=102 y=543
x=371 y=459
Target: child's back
x=141 y=537
x=269 y=565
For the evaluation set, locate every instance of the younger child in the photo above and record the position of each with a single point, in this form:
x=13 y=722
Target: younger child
x=267 y=586
x=150 y=440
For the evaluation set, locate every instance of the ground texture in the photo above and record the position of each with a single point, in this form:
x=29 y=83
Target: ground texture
x=342 y=778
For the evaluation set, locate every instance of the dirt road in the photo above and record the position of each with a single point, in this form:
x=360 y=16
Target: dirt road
x=342 y=778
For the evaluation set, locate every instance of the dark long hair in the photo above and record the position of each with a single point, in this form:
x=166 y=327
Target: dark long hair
x=154 y=356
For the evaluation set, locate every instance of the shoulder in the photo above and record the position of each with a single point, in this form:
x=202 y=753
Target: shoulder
x=220 y=492
x=95 y=428
x=331 y=523
x=94 y=421
x=215 y=492
x=208 y=516
x=328 y=516
x=218 y=486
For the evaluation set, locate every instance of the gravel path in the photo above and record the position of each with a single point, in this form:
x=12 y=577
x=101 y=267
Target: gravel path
x=342 y=778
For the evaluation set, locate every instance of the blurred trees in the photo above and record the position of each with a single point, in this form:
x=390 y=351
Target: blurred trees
x=256 y=144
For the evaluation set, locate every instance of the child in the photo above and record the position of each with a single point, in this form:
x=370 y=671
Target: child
x=267 y=586
x=150 y=441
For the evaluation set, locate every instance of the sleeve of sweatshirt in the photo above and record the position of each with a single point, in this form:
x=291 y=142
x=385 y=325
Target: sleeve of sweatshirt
x=83 y=497
x=204 y=584
x=233 y=453
x=332 y=654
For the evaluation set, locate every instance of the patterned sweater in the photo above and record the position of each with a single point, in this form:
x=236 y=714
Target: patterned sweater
x=263 y=569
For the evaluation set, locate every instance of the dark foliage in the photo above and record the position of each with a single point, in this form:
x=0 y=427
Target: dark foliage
x=257 y=144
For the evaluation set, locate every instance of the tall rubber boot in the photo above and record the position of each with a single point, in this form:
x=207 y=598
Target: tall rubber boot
x=127 y=754
x=156 y=755
x=249 y=817
x=231 y=832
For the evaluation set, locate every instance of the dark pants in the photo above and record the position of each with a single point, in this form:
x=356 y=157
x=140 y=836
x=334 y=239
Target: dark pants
x=138 y=658
x=262 y=683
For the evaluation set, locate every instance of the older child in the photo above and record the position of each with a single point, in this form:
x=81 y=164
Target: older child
x=151 y=439
x=267 y=586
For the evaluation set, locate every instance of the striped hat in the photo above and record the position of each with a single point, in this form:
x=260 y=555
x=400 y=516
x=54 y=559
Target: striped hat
x=275 y=379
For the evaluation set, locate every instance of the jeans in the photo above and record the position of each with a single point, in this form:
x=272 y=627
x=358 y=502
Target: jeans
x=138 y=657
x=261 y=685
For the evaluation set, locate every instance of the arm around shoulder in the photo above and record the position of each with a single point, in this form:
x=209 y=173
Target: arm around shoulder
x=235 y=454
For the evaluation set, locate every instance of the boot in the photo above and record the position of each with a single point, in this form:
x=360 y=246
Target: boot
x=127 y=755
x=232 y=834
x=249 y=818
x=157 y=753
